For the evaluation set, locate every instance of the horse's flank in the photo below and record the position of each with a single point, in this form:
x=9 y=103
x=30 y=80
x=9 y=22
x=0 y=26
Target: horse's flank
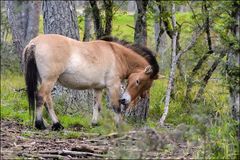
x=74 y=63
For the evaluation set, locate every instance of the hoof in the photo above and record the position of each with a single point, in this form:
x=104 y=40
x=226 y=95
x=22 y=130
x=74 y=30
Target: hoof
x=57 y=127
x=40 y=125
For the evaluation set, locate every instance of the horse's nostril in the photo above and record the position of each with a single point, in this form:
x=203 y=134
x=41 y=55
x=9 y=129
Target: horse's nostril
x=122 y=101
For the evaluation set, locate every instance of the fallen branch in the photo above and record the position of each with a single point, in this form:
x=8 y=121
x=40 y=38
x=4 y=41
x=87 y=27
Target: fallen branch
x=92 y=149
x=75 y=153
x=51 y=156
x=87 y=152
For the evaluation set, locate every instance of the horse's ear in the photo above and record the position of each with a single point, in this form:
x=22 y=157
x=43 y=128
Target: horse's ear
x=148 y=70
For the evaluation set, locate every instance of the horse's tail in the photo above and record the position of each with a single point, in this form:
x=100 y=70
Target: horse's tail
x=31 y=76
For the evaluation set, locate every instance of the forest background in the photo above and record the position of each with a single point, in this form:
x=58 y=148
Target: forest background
x=195 y=103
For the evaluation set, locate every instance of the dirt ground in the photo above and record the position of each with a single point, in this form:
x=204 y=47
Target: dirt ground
x=143 y=144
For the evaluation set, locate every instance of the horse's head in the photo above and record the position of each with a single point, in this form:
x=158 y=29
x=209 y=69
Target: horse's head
x=138 y=84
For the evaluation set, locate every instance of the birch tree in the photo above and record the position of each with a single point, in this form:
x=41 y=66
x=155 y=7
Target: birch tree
x=173 y=65
x=176 y=54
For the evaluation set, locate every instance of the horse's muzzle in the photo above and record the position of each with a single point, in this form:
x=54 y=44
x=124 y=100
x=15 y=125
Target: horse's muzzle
x=123 y=101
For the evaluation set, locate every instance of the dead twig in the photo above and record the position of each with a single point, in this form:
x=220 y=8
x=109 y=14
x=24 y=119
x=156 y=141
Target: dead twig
x=75 y=153
x=130 y=26
x=92 y=149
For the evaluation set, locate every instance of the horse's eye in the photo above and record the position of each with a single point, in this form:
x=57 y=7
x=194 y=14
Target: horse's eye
x=137 y=82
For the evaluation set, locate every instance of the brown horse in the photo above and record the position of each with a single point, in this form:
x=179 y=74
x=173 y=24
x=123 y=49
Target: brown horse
x=85 y=65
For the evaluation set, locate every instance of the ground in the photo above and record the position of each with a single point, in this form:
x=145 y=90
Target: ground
x=18 y=141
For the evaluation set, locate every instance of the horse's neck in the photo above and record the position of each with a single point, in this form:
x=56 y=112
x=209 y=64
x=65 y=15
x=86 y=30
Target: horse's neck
x=131 y=63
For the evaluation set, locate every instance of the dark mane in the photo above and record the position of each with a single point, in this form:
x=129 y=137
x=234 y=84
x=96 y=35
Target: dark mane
x=141 y=50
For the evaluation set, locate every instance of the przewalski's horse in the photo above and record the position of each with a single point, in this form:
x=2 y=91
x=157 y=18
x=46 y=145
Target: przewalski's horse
x=85 y=65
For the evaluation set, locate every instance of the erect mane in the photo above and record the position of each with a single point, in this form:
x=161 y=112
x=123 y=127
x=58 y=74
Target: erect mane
x=141 y=50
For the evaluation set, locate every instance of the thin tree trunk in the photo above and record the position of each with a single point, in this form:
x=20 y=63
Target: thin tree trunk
x=173 y=67
x=158 y=28
x=208 y=76
x=140 y=34
x=203 y=58
x=23 y=17
x=87 y=22
x=97 y=19
x=108 y=16
x=175 y=58
x=193 y=73
x=60 y=18
x=233 y=66
x=179 y=64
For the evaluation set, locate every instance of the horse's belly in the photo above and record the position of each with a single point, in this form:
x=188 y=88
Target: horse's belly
x=85 y=72
x=78 y=81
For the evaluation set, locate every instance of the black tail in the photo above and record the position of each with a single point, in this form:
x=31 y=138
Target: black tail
x=31 y=77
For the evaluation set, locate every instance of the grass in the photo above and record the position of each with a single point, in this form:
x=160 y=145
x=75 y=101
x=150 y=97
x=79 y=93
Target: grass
x=13 y=103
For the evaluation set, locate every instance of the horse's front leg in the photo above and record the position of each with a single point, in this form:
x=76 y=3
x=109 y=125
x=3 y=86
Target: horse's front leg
x=114 y=94
x=97 y=106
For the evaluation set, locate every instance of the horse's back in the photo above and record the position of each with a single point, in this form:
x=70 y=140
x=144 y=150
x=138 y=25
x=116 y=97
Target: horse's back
x=75 y=64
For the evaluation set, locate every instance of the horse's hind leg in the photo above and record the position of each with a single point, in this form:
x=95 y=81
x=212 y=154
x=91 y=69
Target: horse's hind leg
x=39 y=120
x=96 y=106
x=49 y=106
x=44 y=97
x=41 y=99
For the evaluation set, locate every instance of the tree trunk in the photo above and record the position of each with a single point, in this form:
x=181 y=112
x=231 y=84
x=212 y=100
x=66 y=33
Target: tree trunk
x=176 y=55
x=233 y=65
x=158 y=29
x=193 y=73
x=97 y=19
x=109 y=15
x=140 y=34
x=140 y=110
x=173 y=67
x=203 y=58
x=60 y=18
x=208 y=76
x=87 y=22
x=23 y=17
x=99 y=29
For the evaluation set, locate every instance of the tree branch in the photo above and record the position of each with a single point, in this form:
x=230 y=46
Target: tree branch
x=208 y=76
